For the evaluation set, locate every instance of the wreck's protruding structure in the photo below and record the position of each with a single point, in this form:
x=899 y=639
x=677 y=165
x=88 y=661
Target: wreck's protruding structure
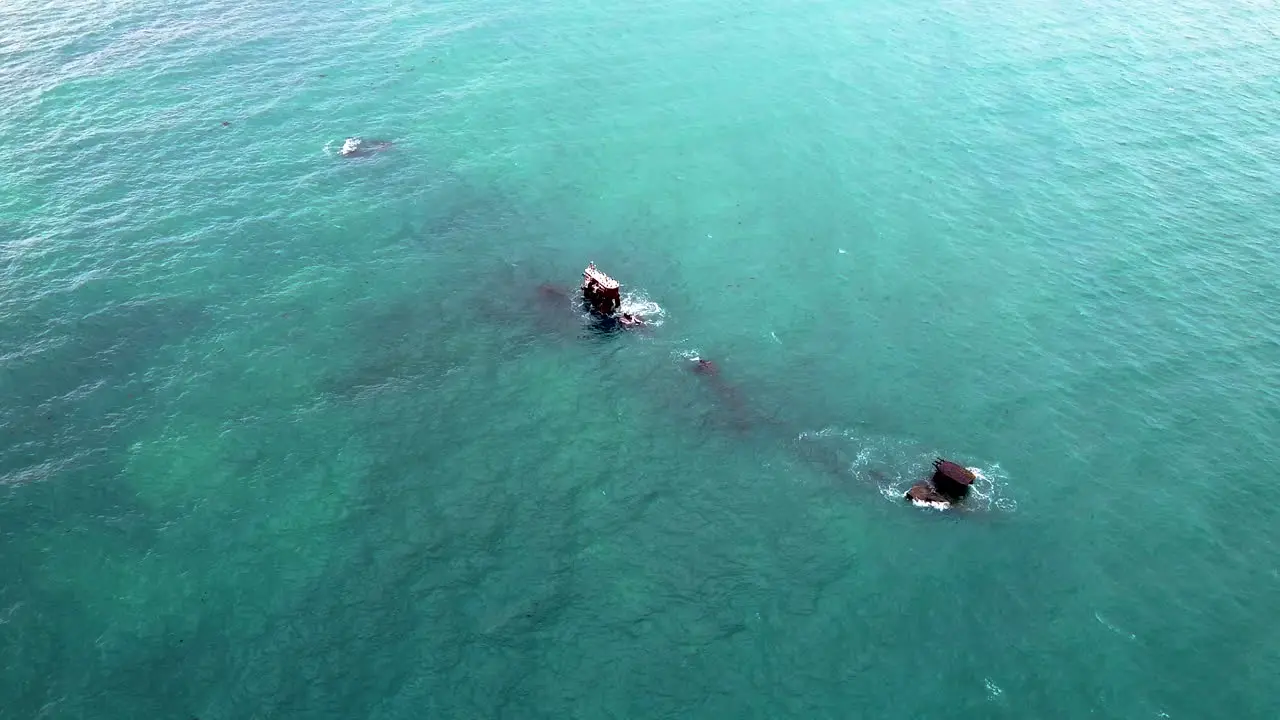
x=601 y=292
x=949 y=485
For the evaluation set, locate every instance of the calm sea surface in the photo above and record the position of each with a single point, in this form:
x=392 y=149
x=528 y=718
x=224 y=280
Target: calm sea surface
x=289 y=435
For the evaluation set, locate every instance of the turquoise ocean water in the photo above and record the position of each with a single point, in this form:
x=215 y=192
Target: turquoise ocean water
x=284 y=435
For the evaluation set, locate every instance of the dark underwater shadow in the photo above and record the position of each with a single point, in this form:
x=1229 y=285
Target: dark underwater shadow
x=420 y=335
x=464 y=214
x=75 y=402
x=76 y=399
x=85 y=383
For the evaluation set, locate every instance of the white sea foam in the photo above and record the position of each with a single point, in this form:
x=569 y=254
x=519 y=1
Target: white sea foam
x=638 y=303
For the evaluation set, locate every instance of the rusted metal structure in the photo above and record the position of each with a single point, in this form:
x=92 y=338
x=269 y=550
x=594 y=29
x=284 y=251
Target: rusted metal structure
x=952 y=479
x=948 y=485
x=601 y=292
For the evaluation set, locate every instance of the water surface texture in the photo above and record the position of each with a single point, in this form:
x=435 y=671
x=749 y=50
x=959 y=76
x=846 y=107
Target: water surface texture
x=287 y=435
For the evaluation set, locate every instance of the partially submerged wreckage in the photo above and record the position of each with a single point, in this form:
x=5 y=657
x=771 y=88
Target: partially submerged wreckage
x=946 y=487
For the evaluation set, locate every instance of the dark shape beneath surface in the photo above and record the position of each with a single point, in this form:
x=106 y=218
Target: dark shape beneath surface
x=354 y=147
